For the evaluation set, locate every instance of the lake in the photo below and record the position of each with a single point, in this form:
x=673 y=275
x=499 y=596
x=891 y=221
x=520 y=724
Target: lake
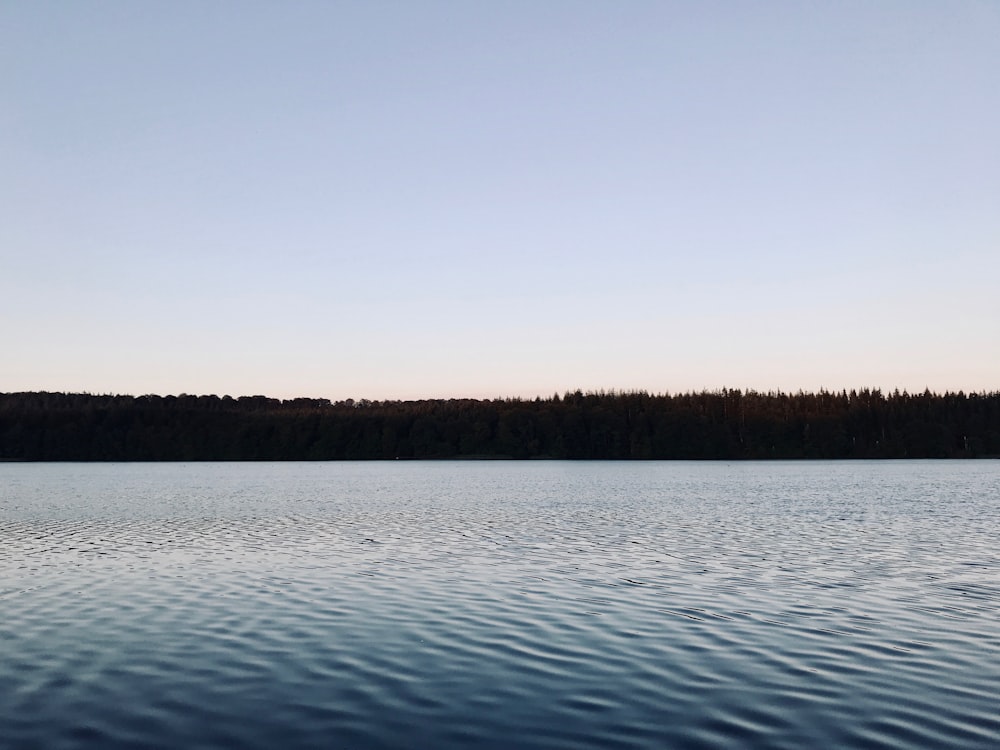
x=500 y=604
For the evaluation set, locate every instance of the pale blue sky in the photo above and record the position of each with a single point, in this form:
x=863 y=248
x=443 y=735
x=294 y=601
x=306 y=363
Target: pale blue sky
x=433 y=199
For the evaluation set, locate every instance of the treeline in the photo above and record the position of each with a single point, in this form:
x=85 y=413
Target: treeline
x=726 y=424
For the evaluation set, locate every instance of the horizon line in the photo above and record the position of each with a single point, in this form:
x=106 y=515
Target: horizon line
x=601 y=392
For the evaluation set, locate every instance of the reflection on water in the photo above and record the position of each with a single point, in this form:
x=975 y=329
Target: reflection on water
x=500 y=604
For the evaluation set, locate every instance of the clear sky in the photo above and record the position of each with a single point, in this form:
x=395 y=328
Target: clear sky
x=431 y=199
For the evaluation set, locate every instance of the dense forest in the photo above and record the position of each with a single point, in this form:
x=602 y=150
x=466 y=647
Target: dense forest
x=726 y=424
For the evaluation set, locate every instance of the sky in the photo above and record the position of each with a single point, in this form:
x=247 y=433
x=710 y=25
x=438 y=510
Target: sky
x=398 y=200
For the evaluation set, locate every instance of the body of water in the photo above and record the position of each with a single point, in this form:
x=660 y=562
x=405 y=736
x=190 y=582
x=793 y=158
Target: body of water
x=500 y=604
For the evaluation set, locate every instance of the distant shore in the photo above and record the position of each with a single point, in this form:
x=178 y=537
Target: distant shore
x=726 y=424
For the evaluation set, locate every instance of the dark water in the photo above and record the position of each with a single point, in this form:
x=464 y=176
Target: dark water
x=548 y=605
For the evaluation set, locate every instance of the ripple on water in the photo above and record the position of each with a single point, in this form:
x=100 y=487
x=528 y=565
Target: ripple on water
x=540 y=605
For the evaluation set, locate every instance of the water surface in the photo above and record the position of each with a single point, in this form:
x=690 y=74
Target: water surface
x=499 y=604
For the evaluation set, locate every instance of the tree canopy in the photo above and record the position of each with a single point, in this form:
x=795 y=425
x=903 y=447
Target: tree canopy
x=724 y=424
